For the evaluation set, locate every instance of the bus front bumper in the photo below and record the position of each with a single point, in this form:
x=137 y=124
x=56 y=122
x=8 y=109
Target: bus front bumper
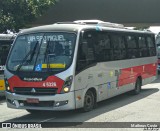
x=56 y=102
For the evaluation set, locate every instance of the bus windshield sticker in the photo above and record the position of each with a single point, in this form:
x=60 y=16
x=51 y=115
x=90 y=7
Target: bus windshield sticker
x=38 y=67
x=59 y=65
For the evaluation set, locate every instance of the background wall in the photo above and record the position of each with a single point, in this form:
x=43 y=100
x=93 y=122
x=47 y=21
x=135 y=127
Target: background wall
x=129 y=12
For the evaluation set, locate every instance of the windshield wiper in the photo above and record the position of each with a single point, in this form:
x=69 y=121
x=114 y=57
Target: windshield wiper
x=47 y=50
x=32 y=52
x=47 y=55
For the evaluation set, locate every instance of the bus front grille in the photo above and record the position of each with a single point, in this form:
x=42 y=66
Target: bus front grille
x=34 y=91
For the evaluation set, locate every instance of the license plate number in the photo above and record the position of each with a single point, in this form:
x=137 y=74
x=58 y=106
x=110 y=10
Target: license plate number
x=32 y=100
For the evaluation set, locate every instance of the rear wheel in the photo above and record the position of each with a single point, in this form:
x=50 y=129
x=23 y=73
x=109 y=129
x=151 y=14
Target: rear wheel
x=89 y=101
x=137 y=89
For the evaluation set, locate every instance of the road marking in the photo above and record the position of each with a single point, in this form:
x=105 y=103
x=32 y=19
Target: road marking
x=48 y=119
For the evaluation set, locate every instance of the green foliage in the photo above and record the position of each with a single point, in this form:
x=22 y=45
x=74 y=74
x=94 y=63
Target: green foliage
x=16 y=14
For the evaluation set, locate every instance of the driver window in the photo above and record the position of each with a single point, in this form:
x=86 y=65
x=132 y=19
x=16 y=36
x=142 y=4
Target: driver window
x=86 y=55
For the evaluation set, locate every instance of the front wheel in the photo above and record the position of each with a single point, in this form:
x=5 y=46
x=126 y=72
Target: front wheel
x=89 y=101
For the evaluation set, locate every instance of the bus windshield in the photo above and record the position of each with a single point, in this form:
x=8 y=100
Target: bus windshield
x=41 y=52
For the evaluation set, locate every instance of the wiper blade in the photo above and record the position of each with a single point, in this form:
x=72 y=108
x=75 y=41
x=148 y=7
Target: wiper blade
x=47 y=54
x=47 y=50
x=32 y=52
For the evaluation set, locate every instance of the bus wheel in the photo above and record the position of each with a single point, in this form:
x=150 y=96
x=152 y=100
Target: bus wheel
x=33 y=111
x=137 y=87
x=89 y=101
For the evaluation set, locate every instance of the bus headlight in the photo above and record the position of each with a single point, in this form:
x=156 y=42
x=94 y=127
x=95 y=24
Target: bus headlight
x=67 y=84
x=8 y=88
x=7 y=85
x=66 y=89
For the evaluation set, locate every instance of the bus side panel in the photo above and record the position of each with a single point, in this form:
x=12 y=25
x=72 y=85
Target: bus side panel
x=129 y=75
x=83 y=81
x=114 y=77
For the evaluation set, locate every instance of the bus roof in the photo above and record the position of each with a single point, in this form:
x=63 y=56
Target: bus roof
x=79 y=25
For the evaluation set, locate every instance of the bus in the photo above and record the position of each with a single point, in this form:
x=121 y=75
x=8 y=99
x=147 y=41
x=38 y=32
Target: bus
x=5 y=43
x=158 y=51
x=72 y=65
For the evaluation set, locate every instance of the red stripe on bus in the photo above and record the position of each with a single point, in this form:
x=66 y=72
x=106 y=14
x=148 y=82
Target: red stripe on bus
x=129 y=75
x=50 y=82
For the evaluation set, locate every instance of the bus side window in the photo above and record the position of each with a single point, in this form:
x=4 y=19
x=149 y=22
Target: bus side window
x=102 y=47
x=118 y=46
x=132 y=48
x=151 y=46
x=143 y=47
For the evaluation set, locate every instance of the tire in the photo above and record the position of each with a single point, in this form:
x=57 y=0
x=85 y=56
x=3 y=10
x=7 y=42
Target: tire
x=89 y=101
x=33 y=111
x=137 y=89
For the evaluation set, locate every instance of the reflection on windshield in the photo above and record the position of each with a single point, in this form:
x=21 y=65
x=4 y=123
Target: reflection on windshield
x=42 y=52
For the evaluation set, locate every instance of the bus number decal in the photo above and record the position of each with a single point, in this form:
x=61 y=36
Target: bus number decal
x=49 y=84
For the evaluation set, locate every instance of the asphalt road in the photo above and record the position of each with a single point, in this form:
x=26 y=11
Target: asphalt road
x=144 y=107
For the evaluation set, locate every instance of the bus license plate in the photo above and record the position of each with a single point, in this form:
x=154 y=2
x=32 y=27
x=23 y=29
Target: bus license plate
x=32 y=100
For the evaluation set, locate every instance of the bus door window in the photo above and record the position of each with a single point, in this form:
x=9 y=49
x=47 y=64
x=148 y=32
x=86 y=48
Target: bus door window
x=132 y=47
x=143 y=46
x=81 y=60
x=86 y=55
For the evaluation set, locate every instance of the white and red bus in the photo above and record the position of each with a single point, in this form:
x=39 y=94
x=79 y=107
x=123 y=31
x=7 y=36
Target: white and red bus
x=74 y=65
x=158 y=51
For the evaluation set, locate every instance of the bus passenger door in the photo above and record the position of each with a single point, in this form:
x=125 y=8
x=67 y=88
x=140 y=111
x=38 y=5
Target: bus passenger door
x=84 y=78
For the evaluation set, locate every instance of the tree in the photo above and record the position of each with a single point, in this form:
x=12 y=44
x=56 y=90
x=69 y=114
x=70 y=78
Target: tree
x=16 y=14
